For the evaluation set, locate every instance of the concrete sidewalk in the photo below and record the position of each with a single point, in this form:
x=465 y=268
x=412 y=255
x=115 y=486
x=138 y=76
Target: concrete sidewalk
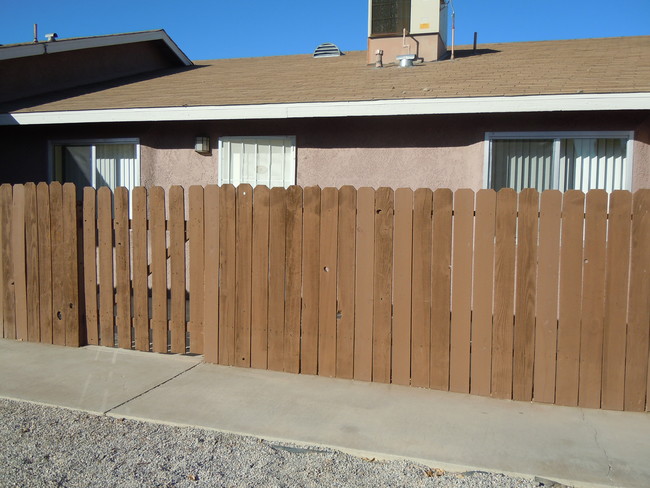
x=452 y=431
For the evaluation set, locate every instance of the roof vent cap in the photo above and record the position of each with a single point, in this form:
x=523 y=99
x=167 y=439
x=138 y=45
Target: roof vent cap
x=406 y=60
x=51 y=37
x=327 y=50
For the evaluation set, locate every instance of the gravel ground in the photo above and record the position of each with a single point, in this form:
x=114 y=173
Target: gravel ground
x=47 y=446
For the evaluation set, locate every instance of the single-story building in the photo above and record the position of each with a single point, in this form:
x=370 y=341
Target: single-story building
x=132 y=109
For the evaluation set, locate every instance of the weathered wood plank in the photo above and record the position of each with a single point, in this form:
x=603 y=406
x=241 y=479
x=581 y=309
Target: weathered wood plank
x=227 y=253
x=140 y=268
x=122 y=267
x=31 y=250
x=158 y=231
x=483 y=292
x=71 y=256
x=504 y=288
x=570 y=296
x=293 y=278
x=58 y=266
x=8 y=284
x=211 y=197
x=461 y=291
x=178 y=324
x=363 y=298
x=327 y=282
x=45 y=264
x=277 y=265
x=89 y=261
x=311 y=281
x=345 y=287
x=260 y=280
x=197 y=259
x=243 y=277
x=18 y=253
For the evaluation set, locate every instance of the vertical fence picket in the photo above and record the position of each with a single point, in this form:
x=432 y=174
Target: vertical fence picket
x=260 y=278
x=277 y=243
x=364 y=278
x=616 y=292
x=140 y=264
x=570 y=296
x=327 y=282
x=58 y=269
x=593 y=300
x=293 y=278
x=158 y=237
x=310 y=279
x=90 y=264
x=504 y=287
x=402 y=280
x=639 y=306
x=547 y=297
x=8 y=283
x=32 y=263
x=482 y=293
x=227 y=236
x=18 y=252
x=71 y=280
x=196 y=258
x=345 y=283
x=45 y=262
x=383 y=286
x=243 y=269
x=211 y=199
x=177 y=324
x=122 y=268
x=524 y=345
x=421 y=288
x=461 y=292
x=441 y=289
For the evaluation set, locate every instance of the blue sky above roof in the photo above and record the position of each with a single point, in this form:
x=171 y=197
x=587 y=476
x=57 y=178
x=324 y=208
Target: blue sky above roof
x=210 y=29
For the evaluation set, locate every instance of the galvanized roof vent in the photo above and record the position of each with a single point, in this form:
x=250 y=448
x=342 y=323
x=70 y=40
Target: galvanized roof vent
x=327 y=50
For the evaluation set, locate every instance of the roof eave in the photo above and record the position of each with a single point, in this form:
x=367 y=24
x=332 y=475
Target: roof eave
x=372 y=108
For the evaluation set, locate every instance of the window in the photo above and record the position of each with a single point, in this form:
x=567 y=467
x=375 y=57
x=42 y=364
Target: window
x=110 y=163
x=269 y=161
x=561 y=161
x=390 y=16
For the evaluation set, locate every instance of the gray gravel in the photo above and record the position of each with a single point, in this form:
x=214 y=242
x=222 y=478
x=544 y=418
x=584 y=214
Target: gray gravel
x=47 y=446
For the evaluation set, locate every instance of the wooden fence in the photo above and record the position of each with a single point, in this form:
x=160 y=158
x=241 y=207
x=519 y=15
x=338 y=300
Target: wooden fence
x=523 y=296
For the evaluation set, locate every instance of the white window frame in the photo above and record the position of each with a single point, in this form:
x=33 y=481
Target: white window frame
x=556 y=136
x=92 y=143
x=291 y=177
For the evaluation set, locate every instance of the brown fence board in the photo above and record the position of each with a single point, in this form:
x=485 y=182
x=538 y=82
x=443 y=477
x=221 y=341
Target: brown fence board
x=504 y=286
x=616 y=292
x=211 y=201
x=228 y=237
x=525 y=294
x=158 y=235
x=402 y=279
x=196 y=258
x=547 y=296
x=482 y=292
x=177 y=324
x=593 y=300
x=122 y=267
x=140 y=265
x=293 y=250
x=461 y=304
x=58 y=269
x=310 y=279
x=31 y=249
x=570 y=297
x=8 y=284
x=345 y=288
x=441 y=289
x=364 y=279
x=243 y=267
x=383 y=286
x=71 y=280
x=421 y=288
x=45 y=264
x=277 y=244
x=327 y=283
x=260 y=280
x=18 y=252
x=89 y=259
x=105 y=257
x=638 y=331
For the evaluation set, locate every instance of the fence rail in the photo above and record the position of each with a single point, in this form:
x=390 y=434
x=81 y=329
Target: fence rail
x=524 y=295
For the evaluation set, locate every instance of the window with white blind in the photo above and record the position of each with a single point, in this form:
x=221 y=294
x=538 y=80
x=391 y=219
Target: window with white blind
x=561 y=161
x=111 y=163
x=269 y=161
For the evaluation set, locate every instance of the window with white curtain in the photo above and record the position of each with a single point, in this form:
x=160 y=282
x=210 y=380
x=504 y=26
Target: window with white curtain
x=561 y=161
x=269 y=161
x=109 y=162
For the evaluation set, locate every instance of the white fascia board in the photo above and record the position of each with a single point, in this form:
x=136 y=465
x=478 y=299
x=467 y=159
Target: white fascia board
x=375 y=108
x=92 y=42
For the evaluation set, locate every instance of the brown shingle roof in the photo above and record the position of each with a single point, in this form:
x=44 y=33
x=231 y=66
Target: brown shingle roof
x=610 y=65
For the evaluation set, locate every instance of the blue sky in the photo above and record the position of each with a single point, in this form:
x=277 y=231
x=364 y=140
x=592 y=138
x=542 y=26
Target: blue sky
x=209 y=29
